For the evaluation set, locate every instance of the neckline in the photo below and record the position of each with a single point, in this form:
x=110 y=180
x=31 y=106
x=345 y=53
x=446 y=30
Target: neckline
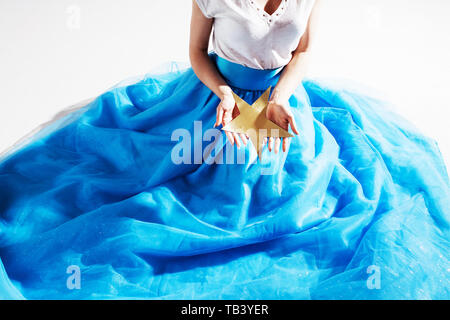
x=269 y=18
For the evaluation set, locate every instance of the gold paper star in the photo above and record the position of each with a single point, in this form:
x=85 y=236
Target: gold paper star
x=252 y=121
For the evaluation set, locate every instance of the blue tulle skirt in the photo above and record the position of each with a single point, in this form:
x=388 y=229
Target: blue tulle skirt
x=136 y=196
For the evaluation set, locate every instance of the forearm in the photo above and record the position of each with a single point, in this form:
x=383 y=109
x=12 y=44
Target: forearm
x=291 y=77
x=294 y=72
x=207 y=72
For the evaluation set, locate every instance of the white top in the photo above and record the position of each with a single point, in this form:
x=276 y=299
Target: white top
x=244 y=33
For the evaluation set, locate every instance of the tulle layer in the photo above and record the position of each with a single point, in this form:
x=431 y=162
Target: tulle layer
x=357 y=209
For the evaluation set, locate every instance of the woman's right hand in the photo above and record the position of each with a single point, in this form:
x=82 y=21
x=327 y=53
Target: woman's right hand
x=227 y=110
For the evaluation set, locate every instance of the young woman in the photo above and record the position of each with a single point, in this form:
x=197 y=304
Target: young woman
x=139 y=195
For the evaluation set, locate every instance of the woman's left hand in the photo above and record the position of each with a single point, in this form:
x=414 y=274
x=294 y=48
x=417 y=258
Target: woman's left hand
x=280 y=113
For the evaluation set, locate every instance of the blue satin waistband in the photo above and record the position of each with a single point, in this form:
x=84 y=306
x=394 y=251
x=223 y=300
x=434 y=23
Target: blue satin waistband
x=239 y=76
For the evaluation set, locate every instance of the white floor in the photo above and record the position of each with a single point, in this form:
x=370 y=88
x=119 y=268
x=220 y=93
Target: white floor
x=55 y=53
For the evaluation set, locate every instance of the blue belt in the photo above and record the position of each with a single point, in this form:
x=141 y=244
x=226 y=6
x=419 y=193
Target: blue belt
x=239 y=76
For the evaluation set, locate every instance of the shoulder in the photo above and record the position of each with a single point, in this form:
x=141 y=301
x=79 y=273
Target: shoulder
x=211 y=8
x=305 y=4
x=303 y=8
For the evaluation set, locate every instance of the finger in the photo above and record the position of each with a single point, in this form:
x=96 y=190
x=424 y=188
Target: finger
x=226 y=117
x=243 y=138
x=219 y=116
x=236 y=139
x=286 y=142
x=270 y=144
x=277 y=145
x=229 y=137
x=293 y=125
x=263 y=144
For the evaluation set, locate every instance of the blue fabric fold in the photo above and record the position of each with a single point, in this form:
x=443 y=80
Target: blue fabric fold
x=358 y=208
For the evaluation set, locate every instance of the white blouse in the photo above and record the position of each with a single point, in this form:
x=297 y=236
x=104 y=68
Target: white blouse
x=244 y=33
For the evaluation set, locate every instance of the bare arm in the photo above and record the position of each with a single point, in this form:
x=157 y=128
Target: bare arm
x=293 y=73
x=296 y=69
x=203 y=67
x=207 y=72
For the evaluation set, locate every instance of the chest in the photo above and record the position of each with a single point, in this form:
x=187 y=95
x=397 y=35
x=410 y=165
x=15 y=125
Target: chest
x=268 y=6
x=249 y=21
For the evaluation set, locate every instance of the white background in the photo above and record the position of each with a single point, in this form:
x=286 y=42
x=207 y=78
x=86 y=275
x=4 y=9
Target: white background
x=50 y=59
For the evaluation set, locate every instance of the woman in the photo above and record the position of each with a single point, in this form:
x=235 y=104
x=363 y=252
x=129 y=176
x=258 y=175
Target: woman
x=253 y=50
x=136 y=196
